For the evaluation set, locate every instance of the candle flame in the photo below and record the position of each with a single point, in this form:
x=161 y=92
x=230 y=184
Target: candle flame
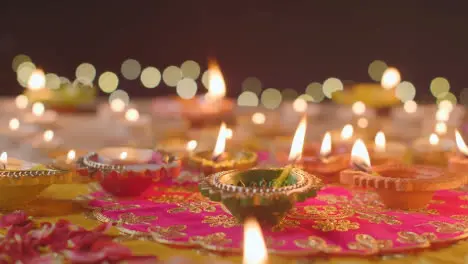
x=216 y=85
x=48 y=135
x=441 y=128
x=38 y=109
x=123 y=155
x=191 y=145
x=71 y=155
x=433 y=139
x=380 y=142
x=21 y=101
x=37 y=80
x=359 y=108
x=4 y=158
x=390 y=78
x=255 y=251
x=298 y=141
x=221 y=141
x=14 y=124
x=228 y=133
x=117 y=105
x=347 y=132
x=325 y=148
x=359 y=153
x=132 y=115
x=461 y=143
x=258 y=118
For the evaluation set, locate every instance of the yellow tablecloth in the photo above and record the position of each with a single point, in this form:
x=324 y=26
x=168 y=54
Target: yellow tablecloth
x=56 y=203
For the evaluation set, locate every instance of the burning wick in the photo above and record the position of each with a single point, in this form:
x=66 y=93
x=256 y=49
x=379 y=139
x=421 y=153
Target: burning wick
x=433 y=139
x=38 y=109
x=123 y=155
x=360 y=159
x=3 y=160
x=220 y=143
x=71 y=156
x=461 y=144
x=325 y=148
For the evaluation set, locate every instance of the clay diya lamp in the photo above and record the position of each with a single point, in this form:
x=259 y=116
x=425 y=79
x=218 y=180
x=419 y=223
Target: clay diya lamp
x=74 y=164
x=388 y=150
x=16 y=131
x=432 y=151
x=265 y=194
x=208 y=162
x=40 y=116
x=21 y=182
x=128 y=172
x=343 y=139
x=458 y=162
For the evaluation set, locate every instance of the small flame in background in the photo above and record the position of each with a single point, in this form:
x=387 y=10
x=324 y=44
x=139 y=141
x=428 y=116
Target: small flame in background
x=380 y=142
x=461 y=145
x=216 y=85
x=14 y=124
x=191 y=145
x=38 y=109
x=71 y=155
x=298 y=141
x=123 y=155
x=132 y=115
x=359 y=153
x=221 y=141
x=347 y=132
x=48 y=135
x=433 y=139
x=325 y=148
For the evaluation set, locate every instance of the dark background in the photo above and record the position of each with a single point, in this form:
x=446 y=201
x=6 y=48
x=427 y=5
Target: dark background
x=286 y=44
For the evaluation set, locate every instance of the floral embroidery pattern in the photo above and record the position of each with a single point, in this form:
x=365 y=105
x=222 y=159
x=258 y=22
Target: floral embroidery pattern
x=131 y=218
x=408 y=237
x=168 y=198
x=321 y=212
x=448 y=228
x=216 y=239
x=317 y=244
x=225 y=221
x=170 y=232
x=285 y=224
x=463 y=197
x=463 y=218
x=332 y=199
x=119 y=207
x=335 y=225
x=369 y=244
x=193 y=207
x=273 y=243
x=379 y=218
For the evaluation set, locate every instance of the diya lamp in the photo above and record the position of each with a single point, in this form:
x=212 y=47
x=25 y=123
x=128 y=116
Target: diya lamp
x=384 y=150
x=213 y=107
x=399 y=186
x=13 y=107
x=343 y=140
x=40 y=116
x=114 y=109
x=209 y=162
x=47 y=142
x=74 y=164
x=255 y=250
x=138 y=127
x=128 y=172
x=17 y=131
x=432 y=151
x=458 y=163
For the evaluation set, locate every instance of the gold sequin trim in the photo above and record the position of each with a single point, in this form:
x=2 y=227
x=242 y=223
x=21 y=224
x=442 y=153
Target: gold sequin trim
x=369 y=244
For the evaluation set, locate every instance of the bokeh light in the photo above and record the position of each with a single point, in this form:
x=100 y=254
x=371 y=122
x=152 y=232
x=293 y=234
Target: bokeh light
x=315 y=91
x=247 y=98
x=120 y=95
x=85 y=73
x=271 y=98
x=21 y=101
x=252 y=84
x=18 y=60
x=206 y=79
x=446 y=104
x=190 y=69
x=376 y=70
x=150 y=77
x=258 y=118
x=130 y=69
x=117 y=105
x=172 y=75
x=439 y=86
x=37 y=80
x=331 y=85
x=289 y=94
x=405 y=91
x=410 y=106
x=52 y=81
x=390 y=78
x=447 y=97
x=362 y=122
x=108 y=82
x=358 y=108
x=186 y=88
x=24 y=71
x=306 y=97
x=64 y=80
x=300 y=105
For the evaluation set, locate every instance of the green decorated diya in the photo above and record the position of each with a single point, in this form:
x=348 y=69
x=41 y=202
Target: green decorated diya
x=256 y=193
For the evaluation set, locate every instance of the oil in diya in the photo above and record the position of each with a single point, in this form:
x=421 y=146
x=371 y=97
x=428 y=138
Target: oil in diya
x=432 y=151
x=458 y=162
x=208 y=162
x=399 y=186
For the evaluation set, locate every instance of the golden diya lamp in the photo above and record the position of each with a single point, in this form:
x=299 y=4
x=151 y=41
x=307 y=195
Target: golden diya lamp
x=128 y=172
x=432 y=151
x=399 y=186
x=208 y=162
x=458 y=163
x=73 y=162
x=21 y=182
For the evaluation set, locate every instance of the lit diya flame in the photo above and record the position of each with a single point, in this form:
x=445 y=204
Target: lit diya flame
x=38 y=109
x=326 y=147
x=380 y=142
x=347 y=132
x=14 y=124
x=258 y=118
x=21 y=101
x=441 y=128
x=132 y=115
x=360 y=156
x=71 y=155
x=390 y=78
x=48 y=135
x=123 y=155
x=3 y=160
x=216 y=85
x=298 y=141
x=461 y=145
x=191 y=145
x=220 y=142
x=37 y=80
x=117 y=105
x=255 y=251
x=433 y=139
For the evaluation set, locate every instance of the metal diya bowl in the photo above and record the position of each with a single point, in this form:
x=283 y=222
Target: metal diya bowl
x=128 y=179
x=241 y=160
x=250 y=193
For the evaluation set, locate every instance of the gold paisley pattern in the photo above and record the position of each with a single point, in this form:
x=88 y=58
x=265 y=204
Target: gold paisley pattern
x=379 y=218
x=216 y=240
x=369 y=244
x=170 y=232
x=448 y=228
x=320 y=212
x=332 y=199
x=274 y=243
x=284 y=224
x=408 y=237
x=317 y=244
x=225 y=221
x=168 y=198
x=463 y=197
x=131 y=218
x=340 y=225
x=194 y=207
x=463 y=218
